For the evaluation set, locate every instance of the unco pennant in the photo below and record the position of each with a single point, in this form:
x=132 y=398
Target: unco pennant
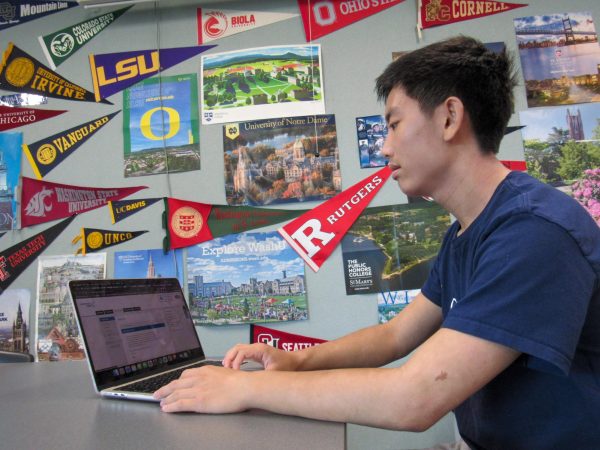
x=46 y=154
x=11 y=117
x=20 y=72
x=121 y=209
x=94 y=239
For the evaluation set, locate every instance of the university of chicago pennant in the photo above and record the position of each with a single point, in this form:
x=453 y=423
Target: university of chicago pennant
x=94 y=239
x=433 y=13
x=280 y=339
x=11 y=117
x=121 y=209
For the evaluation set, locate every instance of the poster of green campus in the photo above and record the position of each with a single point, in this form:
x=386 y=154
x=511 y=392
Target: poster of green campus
x=562 y=148
x=392 y=248
x=246 y=278
x=262 y=82
x=160 y=126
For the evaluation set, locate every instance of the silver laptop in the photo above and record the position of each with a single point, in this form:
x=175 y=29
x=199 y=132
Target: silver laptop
x=138 y=334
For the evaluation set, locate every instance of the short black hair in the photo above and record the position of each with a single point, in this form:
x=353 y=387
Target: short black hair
x=462 y=67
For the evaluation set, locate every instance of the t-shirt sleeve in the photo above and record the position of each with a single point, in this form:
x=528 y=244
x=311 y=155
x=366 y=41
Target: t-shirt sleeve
x=529 y=290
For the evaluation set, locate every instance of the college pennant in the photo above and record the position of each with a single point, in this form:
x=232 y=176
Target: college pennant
x=42 y=201
x=188 y=223
x=46 y=154
x=520 y=166
x=280 y=339
x=15 y=259
x=326 y=16
x=16 y=12
x=94 y=239
x=433 y=13
x=20 y=72
x=215 y=24
x=60 y=45
x=316 y=233
x=11 y=117
x=121 y=209
x=113 y=72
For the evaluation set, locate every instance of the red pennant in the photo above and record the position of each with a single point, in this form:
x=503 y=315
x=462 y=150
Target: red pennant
x=326 y=16
x=187 y=222
x=520 y=166
x=17 y=117
x=434 y=13
x=316 y=233
x=280 y=339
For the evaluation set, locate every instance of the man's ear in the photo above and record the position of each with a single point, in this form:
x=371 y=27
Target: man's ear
x=453 y=113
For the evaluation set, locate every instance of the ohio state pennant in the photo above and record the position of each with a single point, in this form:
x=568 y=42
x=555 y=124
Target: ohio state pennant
x=121 y=209
x=16 y=12
x=42 y=201
x=280 y=339
x=326 y=16
x=14 y=260
x=189 y=223
x=46 y=154
x=113 y=72
x=11 y=117
x=20 y=72
x=316 y=233
x=433 y=13
x=94 y=239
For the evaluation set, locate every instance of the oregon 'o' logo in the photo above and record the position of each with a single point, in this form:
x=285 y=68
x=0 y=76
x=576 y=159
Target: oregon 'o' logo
x=46 y=154
x=62 y=44
x=186 y=222
x=216 y=24
x=94 y=239
x=19 y=71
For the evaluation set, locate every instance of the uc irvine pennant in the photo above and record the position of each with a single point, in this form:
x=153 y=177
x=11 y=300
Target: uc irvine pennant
x=94 y=239
x=46 y=154
x=113 y=72
x=433 y=13
x=17 y=117
x=121 y=209
x=16 y=12
x=62 y=44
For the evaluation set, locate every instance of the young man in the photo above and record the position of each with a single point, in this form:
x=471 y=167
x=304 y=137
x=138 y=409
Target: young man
x=506 y=328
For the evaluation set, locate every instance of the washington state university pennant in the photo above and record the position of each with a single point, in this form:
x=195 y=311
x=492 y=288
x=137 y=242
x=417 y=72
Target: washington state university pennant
x=280 y=339
x=316 y=233
x=94 y=239
x=20 y=72
x=17 y=258
x=433 y=13
x=16 y=12
x=46 y=154
x=326 y=16
x=42 y=201
x=121 y=209
x=113 y=72
x=17 y=117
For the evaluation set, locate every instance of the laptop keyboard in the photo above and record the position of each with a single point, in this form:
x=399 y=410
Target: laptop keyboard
x=150 y=385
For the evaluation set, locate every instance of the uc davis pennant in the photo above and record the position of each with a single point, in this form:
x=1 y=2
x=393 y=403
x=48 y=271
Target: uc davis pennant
x=113 y=72
x=94 y=239
x=48 y=153
x=15 y=12
x=315 y=234
x=442 y=12
x=42 y=201
x=20 y=72
x=62 y=44
x=17 y=117
x=15 y=259
x=326 y=16
x=121 y=209
x=280 y=339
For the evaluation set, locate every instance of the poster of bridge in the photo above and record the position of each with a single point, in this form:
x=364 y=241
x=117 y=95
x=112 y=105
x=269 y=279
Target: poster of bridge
x=559 y=57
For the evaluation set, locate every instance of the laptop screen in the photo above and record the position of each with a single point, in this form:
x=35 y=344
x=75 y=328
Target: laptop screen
x=132 y=327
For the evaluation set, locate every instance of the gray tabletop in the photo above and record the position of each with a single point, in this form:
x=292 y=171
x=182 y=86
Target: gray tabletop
x=53 y=406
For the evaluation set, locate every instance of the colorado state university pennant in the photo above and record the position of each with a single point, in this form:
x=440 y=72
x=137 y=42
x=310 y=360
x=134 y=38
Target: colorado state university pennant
x=46 y=154
x=121 y=209
x=280 y=339
x=17 y=117
x=94 y=239
x=434 y=13
x=316 y=233
x=42 y=201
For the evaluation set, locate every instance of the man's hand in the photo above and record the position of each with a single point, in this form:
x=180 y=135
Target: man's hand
x=270 y=357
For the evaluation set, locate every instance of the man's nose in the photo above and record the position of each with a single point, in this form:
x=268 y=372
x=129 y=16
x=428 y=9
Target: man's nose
x=386 y=149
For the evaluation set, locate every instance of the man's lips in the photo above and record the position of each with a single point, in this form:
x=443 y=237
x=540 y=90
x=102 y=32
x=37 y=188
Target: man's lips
x=394 y=168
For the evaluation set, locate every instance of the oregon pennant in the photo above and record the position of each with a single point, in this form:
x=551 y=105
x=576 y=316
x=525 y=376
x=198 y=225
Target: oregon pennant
x=433 y=13
x=289 y=342
x=189 y=223
x=62 y=44
x=315 y=234
x=42 y=201
x=15 y=259
x=16 y=12
x=17 y=117
x=94 y=239
x=121 y=209
x=48 y=153
x=113 y=72
x=20 y=72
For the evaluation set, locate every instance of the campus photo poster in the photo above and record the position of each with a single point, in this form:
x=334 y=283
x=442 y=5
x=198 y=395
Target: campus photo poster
x=371 y=132
x=262 y=82
x=58 y=337
x=14 y=321
x=392 y=248
x=562 y=148
x=152 y=263
x=559 y=58
x=391 y=303
x=246 y=278
x=282 y=160
x=160 y=126
x=10 y=170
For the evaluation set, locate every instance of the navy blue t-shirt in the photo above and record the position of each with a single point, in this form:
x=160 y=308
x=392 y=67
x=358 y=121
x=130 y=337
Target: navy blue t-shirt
x=526 y=274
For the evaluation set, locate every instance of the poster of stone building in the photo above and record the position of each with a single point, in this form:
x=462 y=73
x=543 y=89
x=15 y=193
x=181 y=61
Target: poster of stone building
x=58 y=337
x=282 y=160
x=14 y=321
x=246 y=278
